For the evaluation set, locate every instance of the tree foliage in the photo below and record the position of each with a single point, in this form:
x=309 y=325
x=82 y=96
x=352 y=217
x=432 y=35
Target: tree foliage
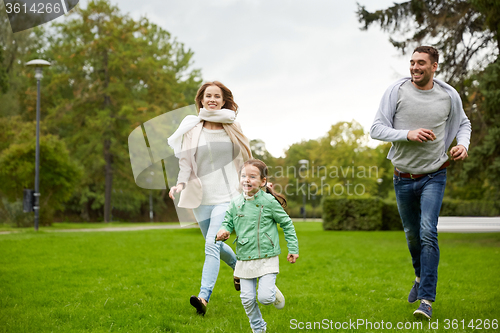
x=484 y=166
x=464 y=31
x=15 y=50
x=59 y=174
x=260 y=152
x=110 y=74
x=4 y=81
x=340 y=164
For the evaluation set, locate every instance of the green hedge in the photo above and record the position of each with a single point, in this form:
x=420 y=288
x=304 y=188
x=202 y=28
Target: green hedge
x=11 y=213
x=377 y=214
x=469 y=208
x=390 y=216
x=352 y=214
x=294 y=211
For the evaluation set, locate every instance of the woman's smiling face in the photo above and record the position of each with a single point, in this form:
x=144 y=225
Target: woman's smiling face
x=212 y=98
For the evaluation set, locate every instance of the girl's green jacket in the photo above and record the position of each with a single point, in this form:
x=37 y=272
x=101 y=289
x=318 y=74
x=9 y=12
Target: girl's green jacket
x=255 y=223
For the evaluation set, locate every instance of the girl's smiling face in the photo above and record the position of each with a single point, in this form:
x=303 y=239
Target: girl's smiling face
x=212 y=98
x=251 y=180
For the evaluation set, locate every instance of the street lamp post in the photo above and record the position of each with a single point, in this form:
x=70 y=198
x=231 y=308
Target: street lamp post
x=38 y=64
x=303 y=165
x=150 y=181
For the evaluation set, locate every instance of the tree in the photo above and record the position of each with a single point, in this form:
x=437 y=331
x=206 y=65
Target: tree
x=58 y=173
x=260 y=152
x=109 y=74
x=15 y=50
x=465 y=31
x=4 y=80
x=466 y=34
x=340 y=164
x=483 y=169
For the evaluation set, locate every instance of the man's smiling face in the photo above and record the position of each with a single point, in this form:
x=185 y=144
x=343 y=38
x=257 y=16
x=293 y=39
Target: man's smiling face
x=422 y=70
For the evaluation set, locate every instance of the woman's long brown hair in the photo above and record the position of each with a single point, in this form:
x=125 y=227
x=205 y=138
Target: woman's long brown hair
x=227 y=96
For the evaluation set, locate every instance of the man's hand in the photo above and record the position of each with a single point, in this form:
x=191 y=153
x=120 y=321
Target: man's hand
x=292 y=258
x=458 y=153
x=175 y=189
x=421 y=135
x=222 y=235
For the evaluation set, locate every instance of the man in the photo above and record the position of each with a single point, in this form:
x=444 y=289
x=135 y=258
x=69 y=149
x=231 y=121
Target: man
x=421 y=116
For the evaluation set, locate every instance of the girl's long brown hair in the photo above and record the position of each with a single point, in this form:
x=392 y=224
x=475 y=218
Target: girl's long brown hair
x=263 y=174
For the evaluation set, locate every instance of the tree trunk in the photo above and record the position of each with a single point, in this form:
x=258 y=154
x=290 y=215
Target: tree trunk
x=108 y=156
x=84 y=213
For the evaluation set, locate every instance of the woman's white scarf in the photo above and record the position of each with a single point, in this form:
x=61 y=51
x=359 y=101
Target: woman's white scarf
x=224 y=116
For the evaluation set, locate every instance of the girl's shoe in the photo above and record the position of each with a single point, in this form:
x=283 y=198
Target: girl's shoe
x=279 y=303
x=261 y=331
x=198 y=304
x=236 y=281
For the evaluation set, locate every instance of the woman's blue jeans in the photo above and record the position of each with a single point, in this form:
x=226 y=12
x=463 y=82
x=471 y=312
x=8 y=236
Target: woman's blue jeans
x=210 y=219
x=419 y=202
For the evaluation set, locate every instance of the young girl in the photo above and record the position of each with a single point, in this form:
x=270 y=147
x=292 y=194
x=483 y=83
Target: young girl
x=254 y=216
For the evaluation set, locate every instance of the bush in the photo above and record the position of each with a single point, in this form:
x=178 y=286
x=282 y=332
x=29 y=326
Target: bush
x=390 y=216
x=294 y=211
x=12 y=213
x=59 y=174
x=376 y=214
x=469 y=208
x=352 y=214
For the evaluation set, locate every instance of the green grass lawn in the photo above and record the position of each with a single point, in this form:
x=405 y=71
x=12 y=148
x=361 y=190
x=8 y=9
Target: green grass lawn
x=141 y=281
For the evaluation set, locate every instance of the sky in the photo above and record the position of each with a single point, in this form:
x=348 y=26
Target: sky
x=294 y=68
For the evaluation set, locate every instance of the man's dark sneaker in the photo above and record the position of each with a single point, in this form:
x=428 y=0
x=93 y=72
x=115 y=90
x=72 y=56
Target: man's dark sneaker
x=424 y=311
x=412 y=297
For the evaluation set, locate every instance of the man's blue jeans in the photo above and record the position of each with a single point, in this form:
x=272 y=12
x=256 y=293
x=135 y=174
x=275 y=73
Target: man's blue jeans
x=210 y=219
x=419 y=202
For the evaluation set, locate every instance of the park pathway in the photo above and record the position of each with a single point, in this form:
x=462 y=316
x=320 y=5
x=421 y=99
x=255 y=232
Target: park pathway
x=134 y=228
x=445 y=224
x=468 y=224
x=110 y=229
x=455 y=224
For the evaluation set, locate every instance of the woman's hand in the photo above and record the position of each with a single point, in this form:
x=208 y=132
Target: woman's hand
x=292 y=258
x=175 y=189
x=222 y=235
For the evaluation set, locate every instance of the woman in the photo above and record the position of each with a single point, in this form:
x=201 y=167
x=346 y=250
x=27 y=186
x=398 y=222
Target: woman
x=211 y=148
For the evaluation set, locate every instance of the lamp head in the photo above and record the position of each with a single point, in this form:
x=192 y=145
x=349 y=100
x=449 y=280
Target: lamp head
x=38 y=64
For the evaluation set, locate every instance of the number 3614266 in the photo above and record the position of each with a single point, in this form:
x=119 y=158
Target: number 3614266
x=36 y=8
x=475 y=324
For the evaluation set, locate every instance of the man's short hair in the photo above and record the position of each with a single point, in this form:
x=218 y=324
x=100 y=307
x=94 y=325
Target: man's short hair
x=432 y=52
